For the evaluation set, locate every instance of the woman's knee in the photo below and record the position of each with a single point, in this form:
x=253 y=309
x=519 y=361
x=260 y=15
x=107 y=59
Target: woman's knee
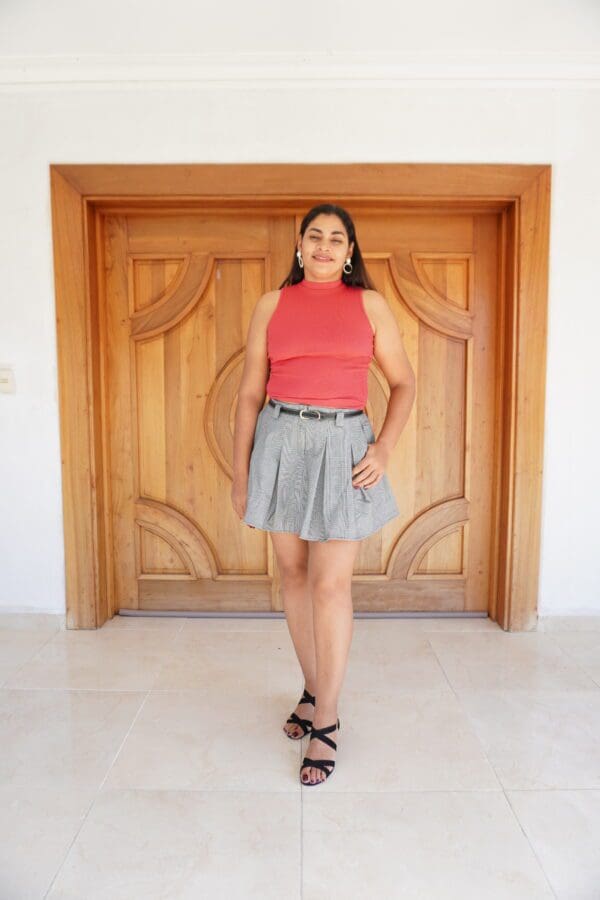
x=330 y=585
x=293 y=573
x=291 y=552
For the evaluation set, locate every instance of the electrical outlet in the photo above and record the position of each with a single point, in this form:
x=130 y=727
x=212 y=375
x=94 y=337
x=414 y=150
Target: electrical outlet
x=7 y=380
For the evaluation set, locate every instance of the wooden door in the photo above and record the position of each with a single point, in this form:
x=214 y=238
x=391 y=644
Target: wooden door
x=178 y=293
x=439 y=274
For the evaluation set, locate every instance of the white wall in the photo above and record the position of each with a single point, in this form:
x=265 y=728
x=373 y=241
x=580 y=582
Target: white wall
x=457 y=83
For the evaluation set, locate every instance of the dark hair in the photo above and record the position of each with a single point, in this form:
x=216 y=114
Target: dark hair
x=358 y=277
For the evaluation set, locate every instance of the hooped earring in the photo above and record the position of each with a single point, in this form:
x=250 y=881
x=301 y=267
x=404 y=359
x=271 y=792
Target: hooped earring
x=300 y=260
x=347 y=263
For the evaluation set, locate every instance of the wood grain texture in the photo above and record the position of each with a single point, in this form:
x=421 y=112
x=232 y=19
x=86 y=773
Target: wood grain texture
x=461 y=253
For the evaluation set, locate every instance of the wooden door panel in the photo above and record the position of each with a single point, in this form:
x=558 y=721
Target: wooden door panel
x=439 y=276
x=179 y=293
x=177 y=322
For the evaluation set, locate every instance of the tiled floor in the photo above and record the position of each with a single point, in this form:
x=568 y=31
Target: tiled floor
x=147 y=760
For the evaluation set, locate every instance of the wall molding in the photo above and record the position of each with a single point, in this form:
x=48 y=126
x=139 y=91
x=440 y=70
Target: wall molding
x=275 y=70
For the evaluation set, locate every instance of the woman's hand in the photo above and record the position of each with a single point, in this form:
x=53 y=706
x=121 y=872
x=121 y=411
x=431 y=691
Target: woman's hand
x=371 y=468
x=239 y=497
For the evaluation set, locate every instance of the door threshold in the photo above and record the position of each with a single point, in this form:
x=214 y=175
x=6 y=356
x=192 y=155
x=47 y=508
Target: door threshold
x=192 y=614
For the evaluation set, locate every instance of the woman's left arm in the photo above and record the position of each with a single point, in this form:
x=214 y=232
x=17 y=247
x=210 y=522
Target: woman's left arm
x=391 y=357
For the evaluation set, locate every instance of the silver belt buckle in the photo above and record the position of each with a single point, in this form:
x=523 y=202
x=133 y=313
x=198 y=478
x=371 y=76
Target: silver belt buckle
x=310 y=412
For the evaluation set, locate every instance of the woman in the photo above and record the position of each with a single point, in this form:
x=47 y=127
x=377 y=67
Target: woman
x=307 y=466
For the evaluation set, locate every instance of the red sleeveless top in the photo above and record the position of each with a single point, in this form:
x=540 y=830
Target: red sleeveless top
x=320 y=344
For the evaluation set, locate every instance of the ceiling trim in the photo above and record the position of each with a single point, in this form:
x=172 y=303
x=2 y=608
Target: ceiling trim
x=276 y=70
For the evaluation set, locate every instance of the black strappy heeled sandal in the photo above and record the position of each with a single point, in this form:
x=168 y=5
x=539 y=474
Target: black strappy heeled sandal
x=321 y=734
x=305 y=724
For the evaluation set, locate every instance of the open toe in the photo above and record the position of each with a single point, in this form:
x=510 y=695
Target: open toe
x=323 y=765
x=294 y=719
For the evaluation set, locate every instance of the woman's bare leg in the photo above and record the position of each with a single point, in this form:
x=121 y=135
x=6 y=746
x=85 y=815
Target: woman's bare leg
x=330 y=567
x=292 y=559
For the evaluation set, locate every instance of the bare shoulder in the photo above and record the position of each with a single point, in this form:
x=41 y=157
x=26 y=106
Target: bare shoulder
x=389 y=349
x=271 y=297
x=264 y=308
x=267 y=304
x=256 y=361
x=376 y=308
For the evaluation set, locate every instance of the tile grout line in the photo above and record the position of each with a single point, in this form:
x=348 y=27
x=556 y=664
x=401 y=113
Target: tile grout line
x=97 y=792
x=52 y=635
x=493 y=768
x=28 y=660
x=573 y=660
x=174 y=640
x=526 y=836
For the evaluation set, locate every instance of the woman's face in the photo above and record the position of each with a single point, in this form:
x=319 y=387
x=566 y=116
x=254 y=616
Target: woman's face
x=324 y=248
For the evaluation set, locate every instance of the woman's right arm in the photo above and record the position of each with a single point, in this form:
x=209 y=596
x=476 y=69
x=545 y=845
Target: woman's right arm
x=251 y=396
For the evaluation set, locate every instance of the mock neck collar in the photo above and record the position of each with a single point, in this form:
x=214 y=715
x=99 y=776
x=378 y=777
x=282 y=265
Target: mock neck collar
x=320 y=285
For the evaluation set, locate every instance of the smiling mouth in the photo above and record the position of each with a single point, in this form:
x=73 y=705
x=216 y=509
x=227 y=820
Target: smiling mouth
x=323 y=258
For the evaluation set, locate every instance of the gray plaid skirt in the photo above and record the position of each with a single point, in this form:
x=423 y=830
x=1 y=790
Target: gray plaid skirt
x=300 y=475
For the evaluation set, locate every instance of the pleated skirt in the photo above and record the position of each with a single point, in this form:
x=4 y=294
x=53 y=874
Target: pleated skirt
x=300 y=476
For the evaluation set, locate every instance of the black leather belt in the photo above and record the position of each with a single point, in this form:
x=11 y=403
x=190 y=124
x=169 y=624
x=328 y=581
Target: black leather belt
x=314 y=413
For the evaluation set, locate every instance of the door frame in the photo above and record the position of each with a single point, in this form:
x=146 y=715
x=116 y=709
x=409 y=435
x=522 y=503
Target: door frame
x=81 y=194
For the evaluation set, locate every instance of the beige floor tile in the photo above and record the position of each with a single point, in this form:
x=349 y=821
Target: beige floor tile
x=563 y=827
x=185 y=740
x=416 y=846
x=17 y=646
x=467 y=762
x=62 y=738
x=105 y=659
x=538 y=740
x=393 y=659
x=50 y=622
x=194 y=625
x=400 y=741
x=185 y=845
x=569 y=623
x=430 y=623
x=506 y=660
x=246 y=663
x=37 y=827
x=145 y=623
x=583 y=648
